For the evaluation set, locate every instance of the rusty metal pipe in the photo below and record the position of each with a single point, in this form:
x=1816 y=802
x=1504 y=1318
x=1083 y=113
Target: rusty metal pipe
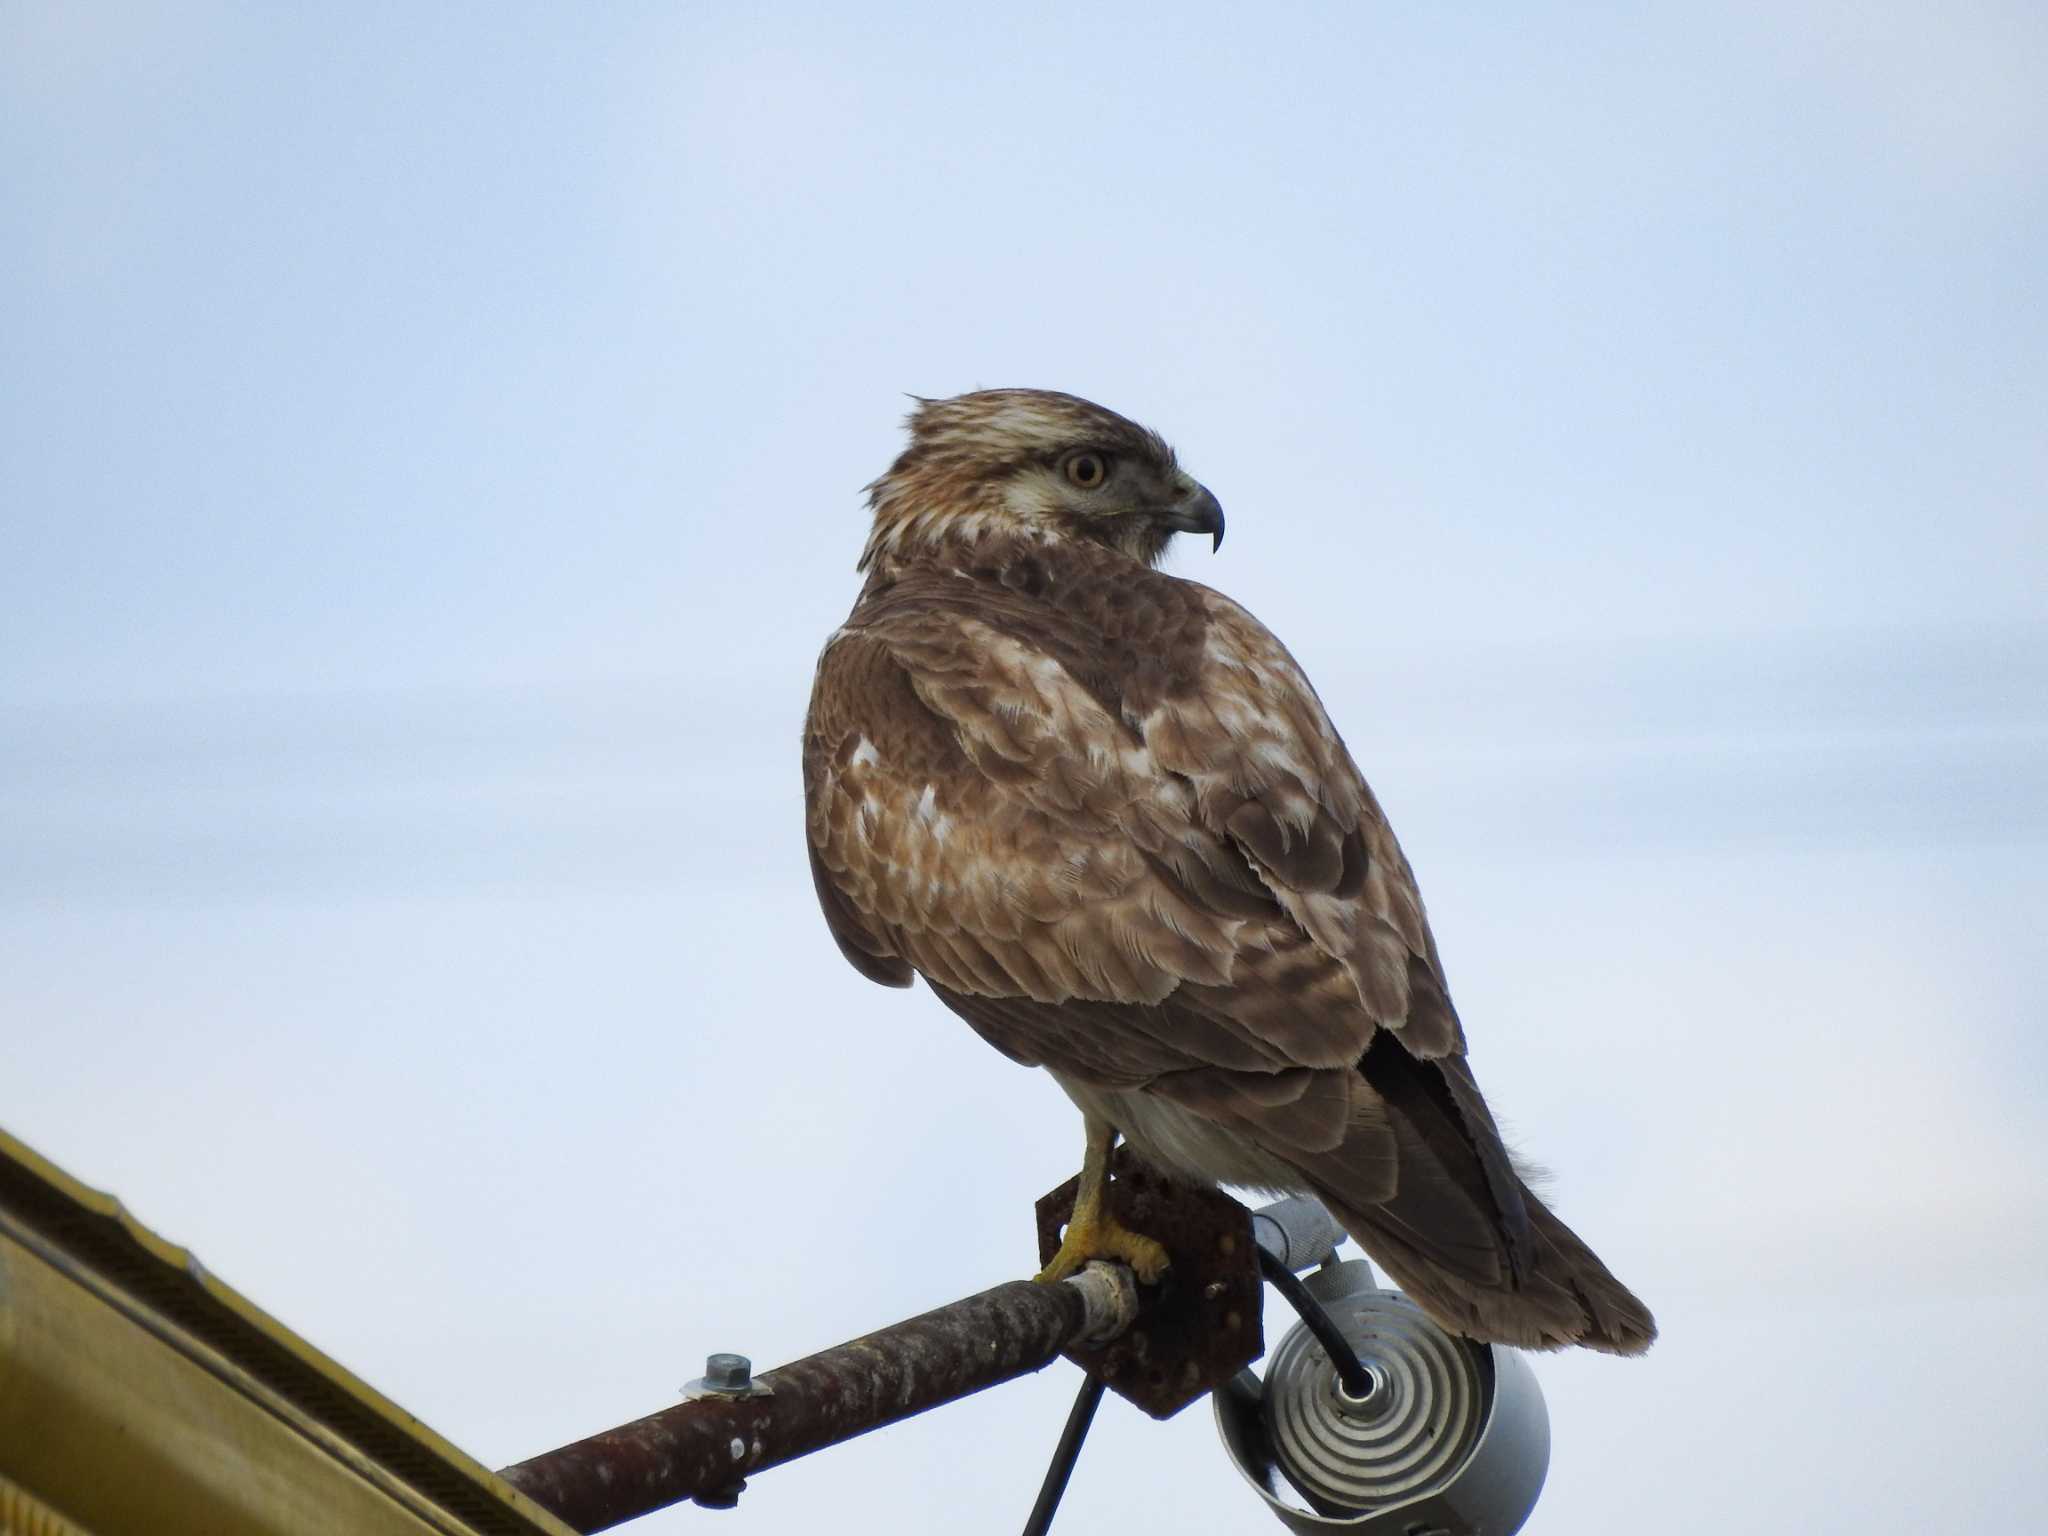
x=702 y=1449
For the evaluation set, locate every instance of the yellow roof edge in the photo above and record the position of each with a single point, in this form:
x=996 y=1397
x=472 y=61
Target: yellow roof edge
x=97 y=1230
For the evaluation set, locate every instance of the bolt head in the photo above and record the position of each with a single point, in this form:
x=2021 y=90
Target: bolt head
x=728 y=1373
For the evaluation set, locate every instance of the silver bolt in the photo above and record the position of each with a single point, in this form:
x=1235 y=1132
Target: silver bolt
x=728 y=1373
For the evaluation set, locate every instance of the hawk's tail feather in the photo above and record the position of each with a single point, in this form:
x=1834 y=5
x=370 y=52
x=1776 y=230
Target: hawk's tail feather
x=1570 y=1298
x=1455 y=1224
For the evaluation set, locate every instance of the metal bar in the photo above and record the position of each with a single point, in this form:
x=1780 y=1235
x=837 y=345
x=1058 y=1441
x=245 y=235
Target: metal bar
x=705 y=1448
x=1297 y=1230
x=1064 y=1455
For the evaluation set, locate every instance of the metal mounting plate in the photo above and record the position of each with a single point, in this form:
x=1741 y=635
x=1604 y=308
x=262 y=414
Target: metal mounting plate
x=1200 y=1324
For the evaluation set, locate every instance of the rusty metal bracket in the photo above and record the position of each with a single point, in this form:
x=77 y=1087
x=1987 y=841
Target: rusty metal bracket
x=1200 y=1325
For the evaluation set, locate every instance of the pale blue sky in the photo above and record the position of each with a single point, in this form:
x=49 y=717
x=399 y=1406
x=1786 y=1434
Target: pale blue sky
x=430 y=446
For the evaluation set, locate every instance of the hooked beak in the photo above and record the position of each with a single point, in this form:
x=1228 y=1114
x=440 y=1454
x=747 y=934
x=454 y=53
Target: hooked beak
x=1198 y=512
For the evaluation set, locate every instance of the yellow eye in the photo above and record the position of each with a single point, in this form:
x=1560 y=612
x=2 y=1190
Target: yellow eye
x=1087 y=470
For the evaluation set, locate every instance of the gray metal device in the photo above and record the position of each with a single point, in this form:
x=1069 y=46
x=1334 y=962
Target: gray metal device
x=1452 y=1438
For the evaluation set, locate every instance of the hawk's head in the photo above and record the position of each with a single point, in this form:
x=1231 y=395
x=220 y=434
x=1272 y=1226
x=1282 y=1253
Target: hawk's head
x=1037 y=463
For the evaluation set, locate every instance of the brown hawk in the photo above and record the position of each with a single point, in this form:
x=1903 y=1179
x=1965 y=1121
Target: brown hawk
x=1102 y=813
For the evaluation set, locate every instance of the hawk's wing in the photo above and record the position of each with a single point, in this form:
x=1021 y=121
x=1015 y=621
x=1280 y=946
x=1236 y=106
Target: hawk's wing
x=1194 y=861
x=1150 y=864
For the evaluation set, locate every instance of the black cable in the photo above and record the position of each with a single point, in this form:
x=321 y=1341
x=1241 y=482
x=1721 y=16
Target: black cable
x=1356 y=1378
x=1064 y=1455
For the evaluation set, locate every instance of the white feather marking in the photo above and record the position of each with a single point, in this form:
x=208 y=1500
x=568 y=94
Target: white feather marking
x=1222 y=655
x=1294 y=811
x=1278 y=754
x=864 y=753
x=1233 y=716
x=1046 y=670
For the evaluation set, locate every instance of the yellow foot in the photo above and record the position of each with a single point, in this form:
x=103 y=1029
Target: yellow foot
x=1102 y=1237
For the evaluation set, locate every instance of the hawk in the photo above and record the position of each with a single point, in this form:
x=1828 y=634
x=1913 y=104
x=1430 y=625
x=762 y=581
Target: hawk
x=1102 y=813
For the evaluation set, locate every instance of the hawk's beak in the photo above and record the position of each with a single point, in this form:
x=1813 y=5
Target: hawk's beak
x=1200 y=512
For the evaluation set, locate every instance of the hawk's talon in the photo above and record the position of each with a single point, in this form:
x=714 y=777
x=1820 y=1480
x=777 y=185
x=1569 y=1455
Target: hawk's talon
x=1103 y=1237
x=1093 y=1232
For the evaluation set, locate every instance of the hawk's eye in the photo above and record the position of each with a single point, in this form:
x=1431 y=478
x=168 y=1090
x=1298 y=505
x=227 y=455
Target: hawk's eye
x=1087 y=470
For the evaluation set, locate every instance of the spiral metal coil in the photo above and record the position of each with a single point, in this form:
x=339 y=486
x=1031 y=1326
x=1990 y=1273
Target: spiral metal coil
x=1443 y=1436
x=1409 y=1435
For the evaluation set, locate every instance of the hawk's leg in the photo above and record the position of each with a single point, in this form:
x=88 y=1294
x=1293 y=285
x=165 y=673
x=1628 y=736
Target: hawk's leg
x=1092 y=1232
